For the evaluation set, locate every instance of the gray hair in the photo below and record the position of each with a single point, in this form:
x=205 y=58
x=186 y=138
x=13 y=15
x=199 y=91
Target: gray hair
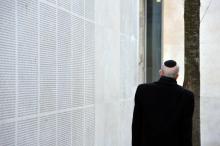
x=171 y=72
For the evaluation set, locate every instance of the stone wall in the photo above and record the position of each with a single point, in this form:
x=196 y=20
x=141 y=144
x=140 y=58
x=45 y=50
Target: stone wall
x=116 y=70
x=68 y=70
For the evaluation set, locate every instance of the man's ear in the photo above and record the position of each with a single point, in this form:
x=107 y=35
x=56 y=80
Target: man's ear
x=161 y=72
x=177 y=76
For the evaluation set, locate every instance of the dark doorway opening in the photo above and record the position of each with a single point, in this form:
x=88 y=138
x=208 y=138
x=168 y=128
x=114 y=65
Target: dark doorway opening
x=153 y=36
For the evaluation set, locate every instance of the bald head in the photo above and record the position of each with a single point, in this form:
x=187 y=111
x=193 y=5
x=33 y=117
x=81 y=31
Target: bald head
x=169 y=69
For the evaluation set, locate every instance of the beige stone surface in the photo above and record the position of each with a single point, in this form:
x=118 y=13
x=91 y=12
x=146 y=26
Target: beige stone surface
x=210 y=81
x=173 y=33
x=117 y=55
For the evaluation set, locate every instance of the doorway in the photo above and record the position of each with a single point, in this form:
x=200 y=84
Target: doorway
x=153 y=39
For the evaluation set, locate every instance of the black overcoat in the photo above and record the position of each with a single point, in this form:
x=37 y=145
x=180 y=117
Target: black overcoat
x=162 y=114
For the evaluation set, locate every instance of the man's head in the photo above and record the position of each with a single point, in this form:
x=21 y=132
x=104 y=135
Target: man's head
x=169 y=69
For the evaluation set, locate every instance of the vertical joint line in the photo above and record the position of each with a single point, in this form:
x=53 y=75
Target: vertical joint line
x=38 y=45
x=16 y=71
x=84 y=40
x=56 y=96
x=71 y=75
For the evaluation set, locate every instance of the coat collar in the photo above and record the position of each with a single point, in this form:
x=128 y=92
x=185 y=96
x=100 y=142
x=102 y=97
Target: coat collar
x=167 y=80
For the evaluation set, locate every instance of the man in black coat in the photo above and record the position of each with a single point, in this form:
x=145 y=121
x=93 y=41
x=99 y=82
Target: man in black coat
x=163 y=111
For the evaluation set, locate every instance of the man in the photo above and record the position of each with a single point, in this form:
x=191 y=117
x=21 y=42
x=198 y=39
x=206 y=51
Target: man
x=163 y=111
